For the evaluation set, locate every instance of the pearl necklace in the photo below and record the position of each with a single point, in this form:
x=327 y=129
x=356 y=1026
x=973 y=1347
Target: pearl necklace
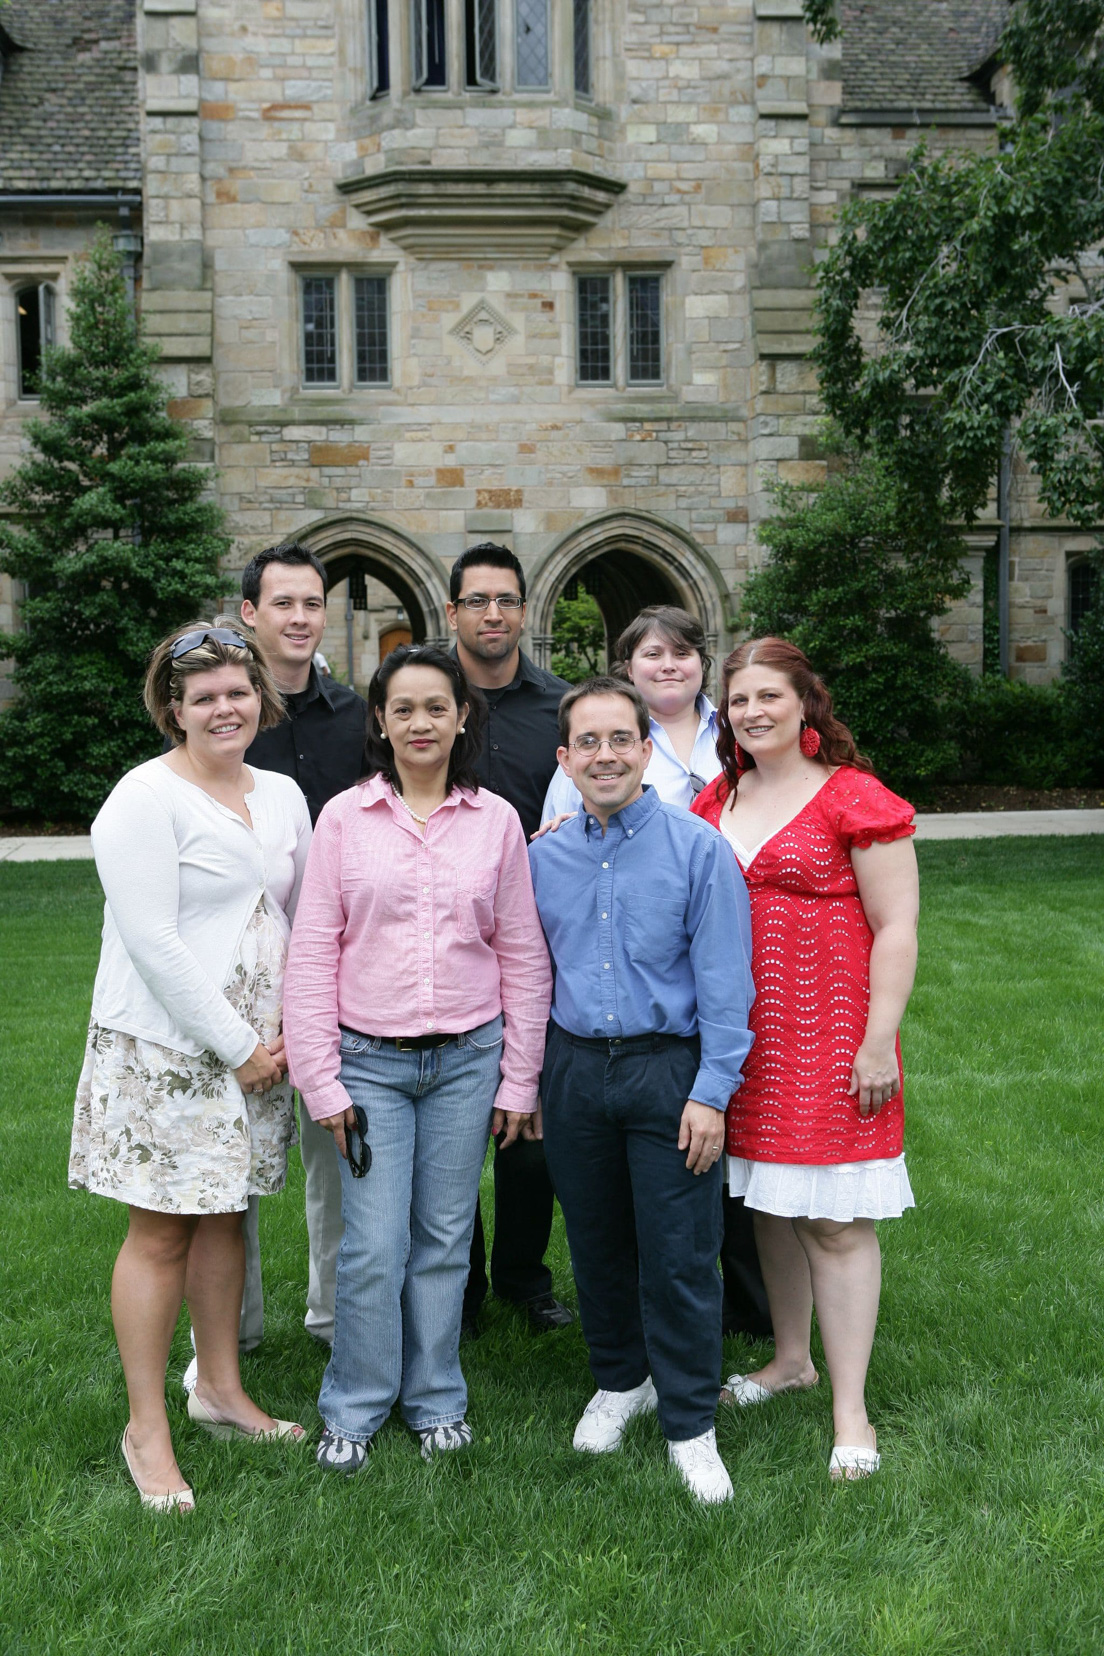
x=423 y=820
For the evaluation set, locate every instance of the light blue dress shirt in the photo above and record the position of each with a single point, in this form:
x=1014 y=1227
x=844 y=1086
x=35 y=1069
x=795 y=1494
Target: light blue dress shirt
x=649 y=929
x=666 y=772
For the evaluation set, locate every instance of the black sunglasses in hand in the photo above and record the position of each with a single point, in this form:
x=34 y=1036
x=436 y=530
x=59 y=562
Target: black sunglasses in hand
x=359 y=1160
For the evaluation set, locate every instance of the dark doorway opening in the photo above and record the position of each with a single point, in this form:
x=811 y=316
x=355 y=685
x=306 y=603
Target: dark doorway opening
x=622 y=583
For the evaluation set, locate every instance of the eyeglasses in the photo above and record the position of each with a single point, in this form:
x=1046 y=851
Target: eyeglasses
x=477 y=602
x=622 y=741
x=219 y=635
x=359 y=1161
x=697 y=782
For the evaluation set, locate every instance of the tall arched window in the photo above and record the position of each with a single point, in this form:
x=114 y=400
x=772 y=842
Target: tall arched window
x=34 y=314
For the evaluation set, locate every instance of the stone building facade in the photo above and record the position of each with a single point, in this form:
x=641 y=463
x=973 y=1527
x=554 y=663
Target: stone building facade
x=432 y=271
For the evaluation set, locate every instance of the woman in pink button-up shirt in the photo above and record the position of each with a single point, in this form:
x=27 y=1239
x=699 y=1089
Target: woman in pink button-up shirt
x=415 y=1005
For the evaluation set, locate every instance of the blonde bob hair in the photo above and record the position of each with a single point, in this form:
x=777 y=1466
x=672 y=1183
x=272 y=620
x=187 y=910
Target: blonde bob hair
x=165 y=677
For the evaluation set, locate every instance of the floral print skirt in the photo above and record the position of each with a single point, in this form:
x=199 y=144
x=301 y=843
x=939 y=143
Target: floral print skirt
x=175 y=1134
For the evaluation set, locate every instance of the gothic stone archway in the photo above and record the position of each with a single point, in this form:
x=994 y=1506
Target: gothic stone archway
x=628 y=560
x=349 y=544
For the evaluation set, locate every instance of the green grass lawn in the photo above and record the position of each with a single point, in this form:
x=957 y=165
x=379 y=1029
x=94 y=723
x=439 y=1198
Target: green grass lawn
x=984 y=1532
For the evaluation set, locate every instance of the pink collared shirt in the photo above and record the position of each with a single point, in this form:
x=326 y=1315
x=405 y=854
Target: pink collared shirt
x=399 y=935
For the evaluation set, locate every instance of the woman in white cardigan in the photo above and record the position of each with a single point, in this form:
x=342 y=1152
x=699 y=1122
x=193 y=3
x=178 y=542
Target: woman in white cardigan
x=182 y=1109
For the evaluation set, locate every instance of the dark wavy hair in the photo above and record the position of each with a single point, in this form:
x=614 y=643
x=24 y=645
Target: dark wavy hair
x=379 y=759
x=674 y=625
x=837 y=745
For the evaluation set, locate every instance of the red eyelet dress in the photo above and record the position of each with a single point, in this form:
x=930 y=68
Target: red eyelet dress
x=797 y=1145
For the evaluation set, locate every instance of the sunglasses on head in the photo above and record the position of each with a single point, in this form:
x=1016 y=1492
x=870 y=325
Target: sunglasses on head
x=219 y=635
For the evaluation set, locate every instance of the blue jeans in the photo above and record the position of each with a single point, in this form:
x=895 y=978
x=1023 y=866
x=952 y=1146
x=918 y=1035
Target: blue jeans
x=644 y=1232
x=403 y=1260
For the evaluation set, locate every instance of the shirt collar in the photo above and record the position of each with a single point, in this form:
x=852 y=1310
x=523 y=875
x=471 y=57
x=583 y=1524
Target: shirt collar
x=630 y=819
x=527 y=673
x=317 y=685
x=323 y=684
x=376 y=790
x=707 y=717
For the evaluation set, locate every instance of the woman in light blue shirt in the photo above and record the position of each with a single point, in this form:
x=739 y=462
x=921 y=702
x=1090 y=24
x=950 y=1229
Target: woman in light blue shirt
x=663 y=653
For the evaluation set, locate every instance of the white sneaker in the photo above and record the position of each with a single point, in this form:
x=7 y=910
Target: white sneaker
x=189 y=1377
x=701 y=1468
x=608 y=1413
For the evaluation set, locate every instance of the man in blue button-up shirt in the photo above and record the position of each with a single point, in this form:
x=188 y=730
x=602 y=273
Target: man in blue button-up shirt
x=648 y=926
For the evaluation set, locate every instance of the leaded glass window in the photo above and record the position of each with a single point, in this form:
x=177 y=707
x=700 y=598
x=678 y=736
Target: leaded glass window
x=1083 y=580
x=319 y=300
x=370 y=330
x=481 y=44
x=379 y=64
x=531 y=27
x=427 y=26
x=34 y=313
x=594 y=318
x=645 y=321
x=581 y=18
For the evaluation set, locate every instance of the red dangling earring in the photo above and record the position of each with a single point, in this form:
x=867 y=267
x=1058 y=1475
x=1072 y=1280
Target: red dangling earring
x=741 y=758
x=809 y=741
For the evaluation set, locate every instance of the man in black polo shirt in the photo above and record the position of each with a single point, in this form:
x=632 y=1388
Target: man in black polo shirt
x=320 y=745
x=487 y=613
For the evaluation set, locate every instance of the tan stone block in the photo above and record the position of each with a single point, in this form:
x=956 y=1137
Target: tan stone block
x=498 y=499
x=339 y=454
x=603 y=474
x=803 y=473
x=218 y=111
x=190 y=408
x=449 y=477
x=1031 y=652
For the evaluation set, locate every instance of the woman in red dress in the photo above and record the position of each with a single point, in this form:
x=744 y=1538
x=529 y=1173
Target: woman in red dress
x=814 y=1135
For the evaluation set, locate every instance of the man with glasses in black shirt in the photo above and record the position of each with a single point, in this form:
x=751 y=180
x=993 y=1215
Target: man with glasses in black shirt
x=320 y=745
x=487 y=613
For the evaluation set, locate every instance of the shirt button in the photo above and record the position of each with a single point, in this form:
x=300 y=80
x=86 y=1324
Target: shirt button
x=426 y=888
x=430 y=1024
x=494 y=745
x=425 y=981
x=609 y=1017
x=425 y=934
x=605 y=865
x=605 y=916
x=630 y=833
x=605 y=965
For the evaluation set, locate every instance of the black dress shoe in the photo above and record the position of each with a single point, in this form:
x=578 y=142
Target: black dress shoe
x=546 y=1312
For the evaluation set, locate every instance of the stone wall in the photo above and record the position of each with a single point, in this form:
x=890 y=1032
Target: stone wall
x=714 y=150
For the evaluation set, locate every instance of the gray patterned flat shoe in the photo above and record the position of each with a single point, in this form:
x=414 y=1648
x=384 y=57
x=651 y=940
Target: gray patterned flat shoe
x=339 y=1454
x=438 y=1440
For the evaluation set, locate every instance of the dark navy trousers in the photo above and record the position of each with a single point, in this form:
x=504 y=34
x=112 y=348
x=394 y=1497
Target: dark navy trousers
x=644 y=1232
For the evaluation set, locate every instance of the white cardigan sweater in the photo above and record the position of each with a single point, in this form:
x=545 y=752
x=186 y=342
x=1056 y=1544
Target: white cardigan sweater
x=182 y=875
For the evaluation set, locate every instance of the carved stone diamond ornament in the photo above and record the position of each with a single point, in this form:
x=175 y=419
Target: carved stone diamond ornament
x=482 y=332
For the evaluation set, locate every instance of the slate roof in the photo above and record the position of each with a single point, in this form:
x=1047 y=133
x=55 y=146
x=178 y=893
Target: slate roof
x=69 y=99
x=915 y=54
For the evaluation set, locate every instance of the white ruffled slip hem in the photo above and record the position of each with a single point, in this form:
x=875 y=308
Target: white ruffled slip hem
x=842 y=1191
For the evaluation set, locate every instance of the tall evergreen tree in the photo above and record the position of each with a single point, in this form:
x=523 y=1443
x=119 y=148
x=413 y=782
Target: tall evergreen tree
x=115 y=544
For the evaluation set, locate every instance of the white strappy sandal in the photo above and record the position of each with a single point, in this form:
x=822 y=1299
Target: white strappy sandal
x=743 y=1390
x=847 y=1462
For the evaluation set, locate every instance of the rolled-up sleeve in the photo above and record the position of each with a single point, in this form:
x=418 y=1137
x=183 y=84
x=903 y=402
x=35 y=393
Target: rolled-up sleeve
x=525 y=975
x=312 y=1033
x=719 y=924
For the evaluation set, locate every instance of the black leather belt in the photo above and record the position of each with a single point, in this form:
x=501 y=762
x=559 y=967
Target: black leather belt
x=417 y=1043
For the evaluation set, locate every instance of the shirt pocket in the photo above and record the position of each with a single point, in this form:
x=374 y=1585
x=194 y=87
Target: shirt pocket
x=654 y=929
x=475 y=899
